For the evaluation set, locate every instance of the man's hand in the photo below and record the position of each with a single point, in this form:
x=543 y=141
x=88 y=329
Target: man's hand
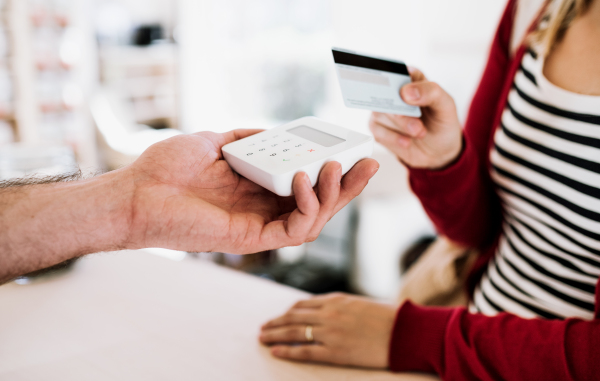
x=180 y=194
x=347 y=330
x=433 y=141
x=186 y=197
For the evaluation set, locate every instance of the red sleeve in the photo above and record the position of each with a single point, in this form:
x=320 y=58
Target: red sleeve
x=460 y=200
x=458 y=345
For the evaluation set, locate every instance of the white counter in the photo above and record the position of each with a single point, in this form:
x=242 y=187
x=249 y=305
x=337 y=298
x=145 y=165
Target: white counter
x=135 y=316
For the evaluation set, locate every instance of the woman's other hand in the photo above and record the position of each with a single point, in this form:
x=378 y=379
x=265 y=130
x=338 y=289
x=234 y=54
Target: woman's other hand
x=347 y=330
x=431 y=142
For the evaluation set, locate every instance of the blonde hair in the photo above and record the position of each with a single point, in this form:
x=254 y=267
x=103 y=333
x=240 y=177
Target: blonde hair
x=557 y=18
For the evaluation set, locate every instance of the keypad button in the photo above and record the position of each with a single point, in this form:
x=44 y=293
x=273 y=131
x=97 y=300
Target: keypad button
x=262 y=149
x=311 y=150
x=299 y=145
x=273 y=154
x=250 y=154
x=285 y=150
x=274 y=145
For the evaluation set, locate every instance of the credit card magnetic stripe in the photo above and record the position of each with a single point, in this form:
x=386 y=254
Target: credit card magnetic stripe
x=345 y=58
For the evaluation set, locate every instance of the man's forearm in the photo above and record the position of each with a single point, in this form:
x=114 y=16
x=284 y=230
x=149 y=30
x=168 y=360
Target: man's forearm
x=43 y=225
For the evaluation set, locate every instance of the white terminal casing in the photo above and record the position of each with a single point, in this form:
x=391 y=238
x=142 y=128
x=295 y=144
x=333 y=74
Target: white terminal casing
x=272 y=158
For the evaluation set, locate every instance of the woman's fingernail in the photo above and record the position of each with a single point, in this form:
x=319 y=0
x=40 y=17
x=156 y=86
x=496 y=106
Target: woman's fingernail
x=413 y=93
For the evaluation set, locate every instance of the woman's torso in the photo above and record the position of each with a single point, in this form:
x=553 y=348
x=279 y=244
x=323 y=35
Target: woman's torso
x=546 y=166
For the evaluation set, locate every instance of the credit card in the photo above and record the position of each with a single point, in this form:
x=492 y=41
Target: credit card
x=373 y=83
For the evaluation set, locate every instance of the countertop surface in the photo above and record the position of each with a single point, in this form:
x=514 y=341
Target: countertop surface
x=135 y=316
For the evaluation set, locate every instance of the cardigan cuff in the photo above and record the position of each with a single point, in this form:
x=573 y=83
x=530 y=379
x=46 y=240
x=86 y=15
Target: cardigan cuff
x=422 y=179
x=417 y=342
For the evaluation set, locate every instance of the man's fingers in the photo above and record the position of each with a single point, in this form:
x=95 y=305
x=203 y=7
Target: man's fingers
x=294 y=317
x=288 y=334
x=235 y=135
x=303 y=218
x=309 y=352
x=328 y=192
x=219 y=140
x=284 y=217
x=295 y=230
x=355 y=181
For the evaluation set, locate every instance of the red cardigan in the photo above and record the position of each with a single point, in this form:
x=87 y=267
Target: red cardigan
x=463 y=205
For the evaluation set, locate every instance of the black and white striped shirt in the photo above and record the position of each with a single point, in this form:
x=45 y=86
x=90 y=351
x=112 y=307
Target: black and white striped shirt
x=546 y=167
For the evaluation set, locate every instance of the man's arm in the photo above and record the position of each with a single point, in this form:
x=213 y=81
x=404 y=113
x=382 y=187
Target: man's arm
x=45 y=222
x=180 y=194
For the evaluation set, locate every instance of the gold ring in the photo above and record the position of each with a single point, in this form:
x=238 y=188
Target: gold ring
x=308 y=333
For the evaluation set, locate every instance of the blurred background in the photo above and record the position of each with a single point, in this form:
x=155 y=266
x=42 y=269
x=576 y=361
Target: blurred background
x=93 y=83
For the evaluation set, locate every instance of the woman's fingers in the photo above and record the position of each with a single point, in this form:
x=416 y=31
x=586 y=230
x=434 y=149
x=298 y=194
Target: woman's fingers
x=390 y=139
x=315 y=302
x=406 y=125
x=294 y=317
x=416 y=75
x=428 y=94
x=308 y=352
x=289 y=334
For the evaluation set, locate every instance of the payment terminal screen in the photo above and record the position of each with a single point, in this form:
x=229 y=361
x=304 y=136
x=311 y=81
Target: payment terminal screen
x=316 y=136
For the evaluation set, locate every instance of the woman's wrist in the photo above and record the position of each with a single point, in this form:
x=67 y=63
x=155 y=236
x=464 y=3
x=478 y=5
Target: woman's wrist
x=451 y=157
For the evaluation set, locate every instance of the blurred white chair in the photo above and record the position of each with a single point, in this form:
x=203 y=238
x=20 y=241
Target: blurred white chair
x=122 y=139
x=390 y=220
x=387 y=227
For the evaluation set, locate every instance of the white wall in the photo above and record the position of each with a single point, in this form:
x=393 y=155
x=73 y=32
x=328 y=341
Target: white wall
x=448 y=40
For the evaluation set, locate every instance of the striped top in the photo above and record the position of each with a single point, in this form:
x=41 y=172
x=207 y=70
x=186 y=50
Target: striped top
x=546 y=167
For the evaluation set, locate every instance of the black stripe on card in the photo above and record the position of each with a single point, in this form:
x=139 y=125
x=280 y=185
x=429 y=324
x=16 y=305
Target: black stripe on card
x=345 y=58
